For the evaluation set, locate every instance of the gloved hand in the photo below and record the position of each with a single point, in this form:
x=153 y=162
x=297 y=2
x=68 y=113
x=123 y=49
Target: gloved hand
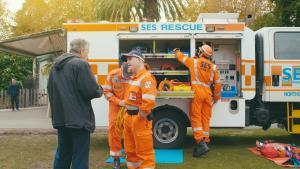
x=122 y=103
x=214 y=101
x=176 y=49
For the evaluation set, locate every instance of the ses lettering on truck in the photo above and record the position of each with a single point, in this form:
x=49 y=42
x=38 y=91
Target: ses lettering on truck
x=292 y=94
x=291 y=74
x=171 y=27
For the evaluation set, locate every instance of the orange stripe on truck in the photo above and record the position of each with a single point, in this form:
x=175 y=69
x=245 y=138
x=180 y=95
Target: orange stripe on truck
x=287 y=83
x=94 y=68
x=248 y=80
x=248 y=61
x=101 y=79
x=112 y=67
x=274 y=62
x=98 y=27
x=103 y=60
x=268 y=80
x=253 y=71
x=227 y=27
x=243 y=70
x=235 y=27
x=277 y=70
x=283 y=90
x=248 y=89
x=280 y=62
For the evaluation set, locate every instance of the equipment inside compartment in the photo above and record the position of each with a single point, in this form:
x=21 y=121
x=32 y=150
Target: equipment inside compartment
x=171 y=75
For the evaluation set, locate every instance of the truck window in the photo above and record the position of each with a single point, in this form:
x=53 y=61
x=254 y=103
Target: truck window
x=286 y=45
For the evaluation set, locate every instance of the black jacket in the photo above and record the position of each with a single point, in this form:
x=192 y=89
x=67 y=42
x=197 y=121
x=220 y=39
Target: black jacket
x=14 y=90
x=71 y=87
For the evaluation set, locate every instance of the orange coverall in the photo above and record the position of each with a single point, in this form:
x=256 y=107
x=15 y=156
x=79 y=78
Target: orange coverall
x=203 y=74
x=114 y=88
x=138 y=143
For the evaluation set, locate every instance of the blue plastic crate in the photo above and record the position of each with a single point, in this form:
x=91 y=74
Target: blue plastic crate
x=231 y=93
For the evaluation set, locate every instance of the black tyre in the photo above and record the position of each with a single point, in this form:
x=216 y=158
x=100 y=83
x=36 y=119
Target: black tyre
x=169 y=129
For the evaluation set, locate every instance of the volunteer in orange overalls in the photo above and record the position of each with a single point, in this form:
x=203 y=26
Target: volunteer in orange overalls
x=139 y=99
x=115 y=85
x=203 y=74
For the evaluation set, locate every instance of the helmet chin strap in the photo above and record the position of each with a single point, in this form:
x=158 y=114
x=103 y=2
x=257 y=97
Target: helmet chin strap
x=202 y=55
x=208 y=58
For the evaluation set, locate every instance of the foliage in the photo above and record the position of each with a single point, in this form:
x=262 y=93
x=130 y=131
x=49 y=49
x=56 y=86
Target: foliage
x=4 y=21
x=287 y=12
x=12 y=66
x=42 y=15
x=254 y=8
x=47 y=68
x=266 y=20
x=139 y=10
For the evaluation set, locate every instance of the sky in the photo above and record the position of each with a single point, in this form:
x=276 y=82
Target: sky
x=14 y=5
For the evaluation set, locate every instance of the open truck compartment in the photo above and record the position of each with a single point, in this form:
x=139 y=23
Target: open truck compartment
x=228 y=59
x=164 y=66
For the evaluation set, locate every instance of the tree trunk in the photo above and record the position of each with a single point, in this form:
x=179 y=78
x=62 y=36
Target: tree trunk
x=151 y=10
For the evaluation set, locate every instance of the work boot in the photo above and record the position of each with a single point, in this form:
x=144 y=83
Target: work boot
x=117 y=164
x=200 y=149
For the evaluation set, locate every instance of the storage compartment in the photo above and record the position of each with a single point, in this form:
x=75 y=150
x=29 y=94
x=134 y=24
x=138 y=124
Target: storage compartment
x=160 y=57
x=164 y=66
x=227 y=58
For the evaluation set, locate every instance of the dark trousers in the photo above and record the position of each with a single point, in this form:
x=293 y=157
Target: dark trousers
x=73 y=147
x=14 y=101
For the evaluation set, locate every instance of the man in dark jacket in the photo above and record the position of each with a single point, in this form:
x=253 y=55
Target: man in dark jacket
x=71 y=87
x=13 y=92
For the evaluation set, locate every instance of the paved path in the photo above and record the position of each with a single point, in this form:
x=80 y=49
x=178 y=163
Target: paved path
x=34 y=118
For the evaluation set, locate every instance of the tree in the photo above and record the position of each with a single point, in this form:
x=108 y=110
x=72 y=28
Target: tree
x=287 y=12
x=4 y=21
x=266 y=20
x=12 y=66
x=62 y=11
x=139 y=10
x=43 y=15
x=32 y=17
x=255 y=8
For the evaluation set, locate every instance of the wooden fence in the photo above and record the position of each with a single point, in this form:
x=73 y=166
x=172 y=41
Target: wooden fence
x=27 y=98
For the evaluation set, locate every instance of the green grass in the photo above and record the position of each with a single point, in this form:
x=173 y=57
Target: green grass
x=228 y=150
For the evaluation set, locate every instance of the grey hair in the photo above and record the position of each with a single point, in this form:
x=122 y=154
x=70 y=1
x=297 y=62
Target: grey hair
x=77 y=44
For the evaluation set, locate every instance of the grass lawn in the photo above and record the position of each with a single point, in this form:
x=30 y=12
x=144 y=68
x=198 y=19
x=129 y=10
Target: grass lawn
x=228 y=150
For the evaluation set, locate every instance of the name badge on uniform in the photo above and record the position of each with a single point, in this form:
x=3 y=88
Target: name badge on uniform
x=148 y=84
x=132 y=96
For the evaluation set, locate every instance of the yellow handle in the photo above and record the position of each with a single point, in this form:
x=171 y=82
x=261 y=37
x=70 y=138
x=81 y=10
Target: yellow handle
x=119 y=121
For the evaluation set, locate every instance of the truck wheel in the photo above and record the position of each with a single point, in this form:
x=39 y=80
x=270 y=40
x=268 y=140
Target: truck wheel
x=169 y=129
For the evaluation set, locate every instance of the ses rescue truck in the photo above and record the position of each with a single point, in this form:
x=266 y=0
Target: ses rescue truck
x=260 y=71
